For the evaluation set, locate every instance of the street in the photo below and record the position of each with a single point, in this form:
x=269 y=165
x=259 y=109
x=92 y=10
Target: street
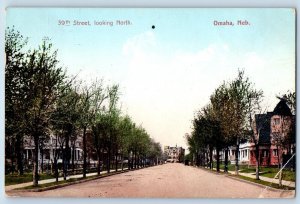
x=172 y=180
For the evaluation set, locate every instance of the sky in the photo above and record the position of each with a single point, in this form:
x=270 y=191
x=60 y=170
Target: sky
x=168 y=73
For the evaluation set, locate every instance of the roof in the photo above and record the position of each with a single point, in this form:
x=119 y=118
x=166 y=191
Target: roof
x=263 y=127
x=282 y=109
x=262 y=121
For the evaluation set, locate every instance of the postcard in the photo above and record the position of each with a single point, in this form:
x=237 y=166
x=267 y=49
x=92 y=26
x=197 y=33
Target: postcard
x=150 y=102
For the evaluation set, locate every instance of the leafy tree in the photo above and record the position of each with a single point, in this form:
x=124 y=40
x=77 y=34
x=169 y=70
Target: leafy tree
x=65 y=120
x=85 y=120
x=15 y=95
x=41 y=101
x=245 y=100
x=222 y=109
x=46 y=78
x=227 y=120
x=113 y=114
x=125 y=128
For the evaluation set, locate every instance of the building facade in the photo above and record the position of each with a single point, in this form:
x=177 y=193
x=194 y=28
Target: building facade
x=273 y=133
x=51 y=146
x=174 y=154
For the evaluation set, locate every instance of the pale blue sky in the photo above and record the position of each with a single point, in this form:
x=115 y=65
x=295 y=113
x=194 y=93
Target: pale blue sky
x=169 y=72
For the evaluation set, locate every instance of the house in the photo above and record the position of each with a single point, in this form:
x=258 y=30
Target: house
x=244 y=153
x=47 y=153
x=272 y=130
x=174 y=154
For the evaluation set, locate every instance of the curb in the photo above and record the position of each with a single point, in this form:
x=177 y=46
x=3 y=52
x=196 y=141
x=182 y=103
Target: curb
x=77 y=182
x=258 y=184
x=228 y=175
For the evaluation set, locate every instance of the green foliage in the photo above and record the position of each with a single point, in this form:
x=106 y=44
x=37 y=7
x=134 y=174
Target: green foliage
x=41 y=100
x=25 y=178
x=227 y=119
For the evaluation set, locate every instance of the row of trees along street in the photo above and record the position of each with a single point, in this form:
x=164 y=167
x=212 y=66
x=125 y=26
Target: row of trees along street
x=227 y=121
x=42 y=101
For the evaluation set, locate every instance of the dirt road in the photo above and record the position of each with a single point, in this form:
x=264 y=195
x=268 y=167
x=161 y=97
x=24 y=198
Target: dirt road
x=164 y=181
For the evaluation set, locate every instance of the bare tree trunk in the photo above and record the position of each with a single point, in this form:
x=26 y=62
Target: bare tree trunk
x=135 y=160
x=56 y=169
x=73 y=158
x=218 y=159
x=278 y=156
x=64 y=159
x=98 y=164
x=280 y=178
x=36 y=161
x=12 y=156
x=42 y=157
x=207 y=159
x=116 y=159
x=19 y=151
x=84 y=152
x=122 y=164
x=279 y=167
x=211 y=158
x=237 y=150
x=55 y=161
x=226 y=160
x=257 y=162
x=129 y=160
x=108 y=158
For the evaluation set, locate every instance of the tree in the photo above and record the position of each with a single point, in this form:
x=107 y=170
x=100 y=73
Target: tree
x=65 y=120
x=258 y=126
x=46 y=78
x=222 y=109
x=85 y=119
x=290 y=98
x=125 y=129
x=113 y=115
x=15 y=95
x=253 y=99
x=227 y=119
x=240 y=100
x=290 y=138
x=98 y=121
x=206 y=134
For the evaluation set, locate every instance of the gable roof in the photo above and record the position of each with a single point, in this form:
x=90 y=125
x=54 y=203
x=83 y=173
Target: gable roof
x=263 y=127
x=282 y=109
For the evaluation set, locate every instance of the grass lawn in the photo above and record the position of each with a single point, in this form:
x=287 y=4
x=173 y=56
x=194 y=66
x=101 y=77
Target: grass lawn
x=269 y=172
x=50 y=184
x=286 y=174
x=231 y=167
x=12 y=179
x=71 y=180
x=263 y=182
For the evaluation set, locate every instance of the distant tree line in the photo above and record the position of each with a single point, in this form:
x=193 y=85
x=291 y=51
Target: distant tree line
x=41 y=100
x=227 y=121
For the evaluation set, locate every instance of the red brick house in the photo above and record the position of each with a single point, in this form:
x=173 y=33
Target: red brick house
x=271 y=130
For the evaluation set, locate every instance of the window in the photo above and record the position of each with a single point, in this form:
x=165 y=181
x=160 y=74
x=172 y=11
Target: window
x=275 y=152
x=265 y=153
x=277 y=121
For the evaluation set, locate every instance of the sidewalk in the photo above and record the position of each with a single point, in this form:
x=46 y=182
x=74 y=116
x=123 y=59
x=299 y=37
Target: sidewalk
x=263 y=178
x=21 y=185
